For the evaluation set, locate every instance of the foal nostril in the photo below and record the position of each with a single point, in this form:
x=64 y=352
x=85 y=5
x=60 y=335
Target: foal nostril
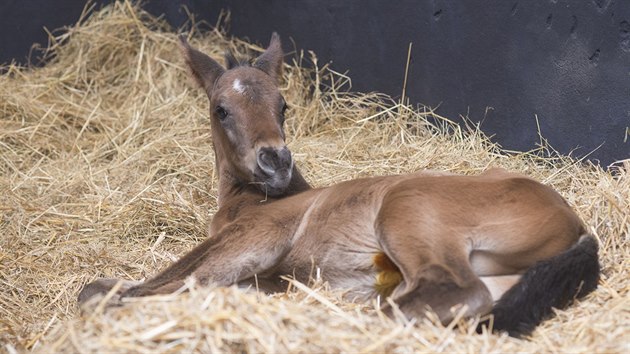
x=267 y=160
x=272 y=160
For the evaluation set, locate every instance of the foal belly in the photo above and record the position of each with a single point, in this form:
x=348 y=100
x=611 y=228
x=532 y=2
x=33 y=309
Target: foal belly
x=361 y=276
x=361 y=270
x=336 y=235
x=344 y=256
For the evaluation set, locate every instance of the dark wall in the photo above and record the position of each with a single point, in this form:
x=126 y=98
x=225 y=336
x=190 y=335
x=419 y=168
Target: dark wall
x=22 y=24
x=503 y=63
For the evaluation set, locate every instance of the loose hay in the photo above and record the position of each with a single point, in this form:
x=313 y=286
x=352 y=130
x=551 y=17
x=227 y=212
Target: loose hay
x=107 y=170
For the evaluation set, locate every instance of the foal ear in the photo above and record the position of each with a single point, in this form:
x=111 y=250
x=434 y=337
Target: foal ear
x=230 y=60
x=272 y=59
x=204 y=69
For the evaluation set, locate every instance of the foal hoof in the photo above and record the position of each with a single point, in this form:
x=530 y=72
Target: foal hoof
x=99 y=288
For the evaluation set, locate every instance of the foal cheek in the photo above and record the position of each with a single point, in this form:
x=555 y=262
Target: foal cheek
x=231 y=137
x=249 y=161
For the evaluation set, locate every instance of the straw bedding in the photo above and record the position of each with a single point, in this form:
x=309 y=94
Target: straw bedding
x=106 y=169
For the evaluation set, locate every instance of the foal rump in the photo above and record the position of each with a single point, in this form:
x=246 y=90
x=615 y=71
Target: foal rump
x=554 y=282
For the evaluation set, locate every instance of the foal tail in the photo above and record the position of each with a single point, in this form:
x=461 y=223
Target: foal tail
x=554 y=282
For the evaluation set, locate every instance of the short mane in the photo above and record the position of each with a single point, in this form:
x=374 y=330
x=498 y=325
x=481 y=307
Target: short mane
x=232 y=61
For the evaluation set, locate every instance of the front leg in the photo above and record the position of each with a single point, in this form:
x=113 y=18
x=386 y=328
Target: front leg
x=225 y=259
x=101 y=287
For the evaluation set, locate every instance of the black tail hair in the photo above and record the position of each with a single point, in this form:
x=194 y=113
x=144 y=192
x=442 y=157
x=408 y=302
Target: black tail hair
x=554 y=282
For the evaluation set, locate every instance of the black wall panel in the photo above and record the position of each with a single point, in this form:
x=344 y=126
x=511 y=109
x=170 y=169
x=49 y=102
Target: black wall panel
x=503 y=63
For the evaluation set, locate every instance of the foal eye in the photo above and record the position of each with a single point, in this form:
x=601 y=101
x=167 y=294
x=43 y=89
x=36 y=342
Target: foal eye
x=284 y=109
x=221 y=112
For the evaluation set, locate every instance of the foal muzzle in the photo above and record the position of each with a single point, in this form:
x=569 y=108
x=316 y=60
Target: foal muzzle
x=275 y=169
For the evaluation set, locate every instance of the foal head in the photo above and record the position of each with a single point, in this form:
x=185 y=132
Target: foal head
x=247 y=116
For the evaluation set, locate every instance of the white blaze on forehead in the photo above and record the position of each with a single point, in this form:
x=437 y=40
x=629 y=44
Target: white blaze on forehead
x=238 y=86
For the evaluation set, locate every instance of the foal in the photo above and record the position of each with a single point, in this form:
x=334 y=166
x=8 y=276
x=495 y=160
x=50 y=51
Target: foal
x=497 y=243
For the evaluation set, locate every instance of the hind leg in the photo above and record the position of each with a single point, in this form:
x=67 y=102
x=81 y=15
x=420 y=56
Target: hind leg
x=500 y=284
x=436 y=273
x=443 y=292
x=432 y=258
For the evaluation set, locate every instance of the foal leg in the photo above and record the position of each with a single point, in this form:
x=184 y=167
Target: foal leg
x=500 y=284
x=225 y=259
x=442 y=288
x=435 y=268
x=445 y=297
x=102 y=286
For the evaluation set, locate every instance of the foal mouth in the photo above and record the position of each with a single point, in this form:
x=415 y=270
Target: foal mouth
x=276 y=184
